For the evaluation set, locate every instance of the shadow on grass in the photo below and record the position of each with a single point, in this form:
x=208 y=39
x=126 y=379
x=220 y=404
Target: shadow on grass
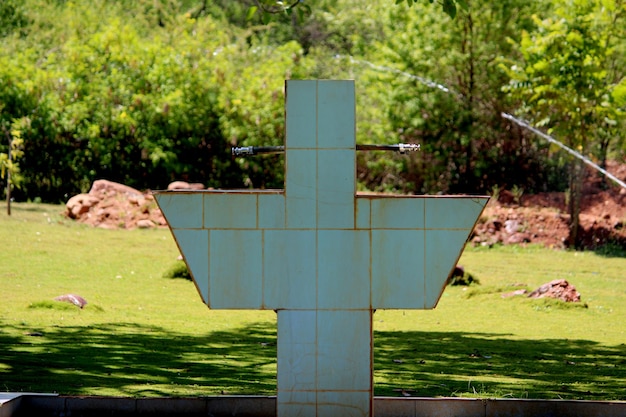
x=479 y=364
x=138 y=360
x=135 y=360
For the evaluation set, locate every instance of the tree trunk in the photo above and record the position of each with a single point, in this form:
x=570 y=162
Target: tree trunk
x=467 y=47
x=9 y=192
x=575 y=197
x=8 y=171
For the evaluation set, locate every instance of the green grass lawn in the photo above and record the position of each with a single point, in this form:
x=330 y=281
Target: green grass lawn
x=145 y=335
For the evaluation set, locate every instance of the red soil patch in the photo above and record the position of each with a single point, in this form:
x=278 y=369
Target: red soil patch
x=543 y=218
x=540 y=219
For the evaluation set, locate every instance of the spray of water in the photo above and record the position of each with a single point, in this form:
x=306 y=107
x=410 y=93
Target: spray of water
x=519 y=122
x=550 y=139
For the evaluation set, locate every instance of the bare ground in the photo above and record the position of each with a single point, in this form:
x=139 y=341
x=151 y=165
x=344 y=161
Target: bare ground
x=543 y=218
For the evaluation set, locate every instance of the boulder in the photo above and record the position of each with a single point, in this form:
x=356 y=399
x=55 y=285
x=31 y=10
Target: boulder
x=514 y=293
x=182 y=185
x=517 y=238
x=75 y=299
x=80 y=204
x=559 y=289
x=110 y=205
x=105 y=187
x=145 y=224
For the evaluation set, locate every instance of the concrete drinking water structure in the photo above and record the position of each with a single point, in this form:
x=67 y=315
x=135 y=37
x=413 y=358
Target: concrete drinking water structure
x=323 y=256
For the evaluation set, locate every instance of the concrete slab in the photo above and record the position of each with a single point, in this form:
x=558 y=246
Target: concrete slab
x=265 y=406
x=428 y=407
x=40 y=406
x=100 y=406
x=9 y=405
x=241 y=406
x=554 y=408
x=397 y=407
x=171 y=406
x=449 y=407
x=8 y=396
x=11 y=402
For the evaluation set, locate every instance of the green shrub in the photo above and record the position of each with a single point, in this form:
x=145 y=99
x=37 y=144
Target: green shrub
x=178 y=270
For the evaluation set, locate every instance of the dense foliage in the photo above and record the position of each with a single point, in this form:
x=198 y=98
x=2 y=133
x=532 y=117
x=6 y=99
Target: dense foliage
x=568 y=81
x=146 y=92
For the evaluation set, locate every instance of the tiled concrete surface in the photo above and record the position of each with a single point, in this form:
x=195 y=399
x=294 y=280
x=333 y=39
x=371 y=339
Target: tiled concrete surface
x=320 y=253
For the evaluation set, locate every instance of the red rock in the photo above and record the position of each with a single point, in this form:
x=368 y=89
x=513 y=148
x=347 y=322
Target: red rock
x=182 y=185
x=559 y=289
x=178 y=185
x=145 y=224
x=514 y=293
x=79 y=204
x=77 y=300
x=110 y=205
x=105 y=186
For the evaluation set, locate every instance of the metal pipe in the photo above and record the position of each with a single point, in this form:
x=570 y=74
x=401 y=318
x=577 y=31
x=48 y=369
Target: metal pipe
x=257 y=150
x=399 y=147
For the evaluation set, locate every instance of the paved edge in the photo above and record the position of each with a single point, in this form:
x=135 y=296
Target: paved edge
x=26 y=404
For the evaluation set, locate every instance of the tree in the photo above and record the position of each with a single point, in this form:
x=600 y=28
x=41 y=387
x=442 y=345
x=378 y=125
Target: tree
x=114 y=95
x=9 y=168
x=12 y=17
x=444 y=91
x=565 y=82
x=269 y=7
